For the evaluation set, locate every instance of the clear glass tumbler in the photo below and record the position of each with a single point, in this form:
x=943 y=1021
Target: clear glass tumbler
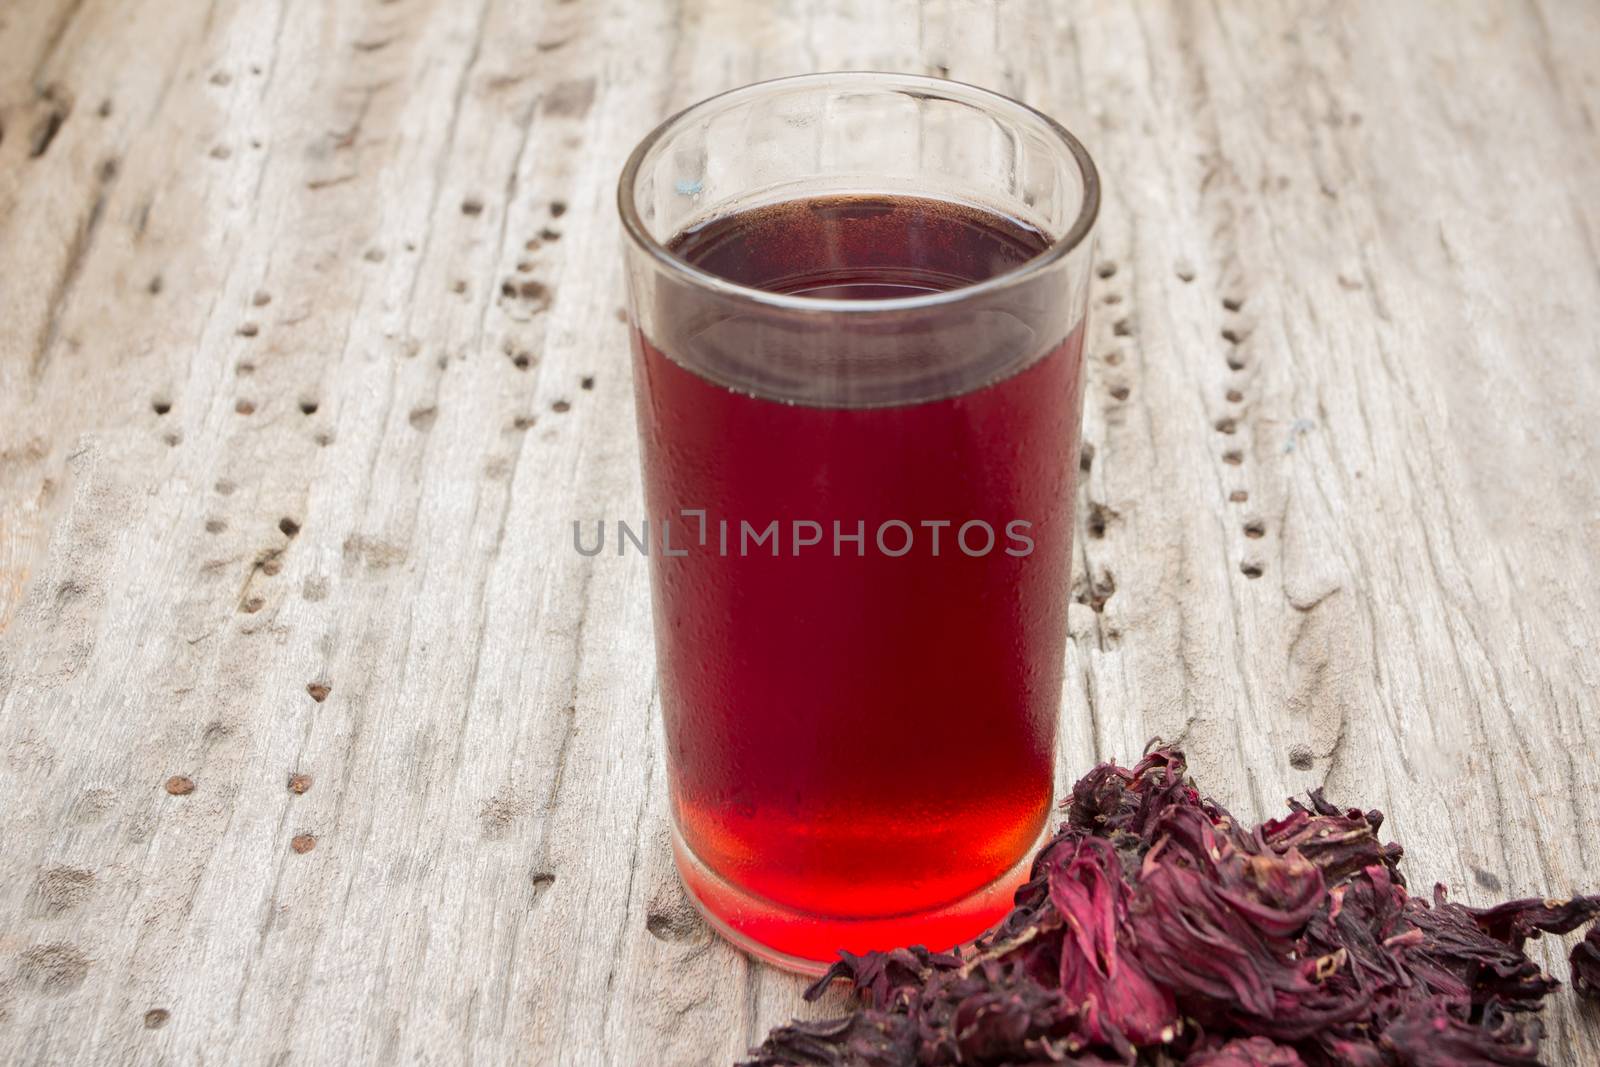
x=858 y=304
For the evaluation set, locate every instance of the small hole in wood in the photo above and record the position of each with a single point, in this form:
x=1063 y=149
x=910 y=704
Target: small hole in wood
x=1120 y=392
x=298 y=784
x=1238 y=496
x=261 y=299
x=1106 y=269
x=1255 y=529
x=156 y=1018
x=1234 y=396
x=179 y=786
x=558 y=208
x=1251 y=570
x=253 y=605
x=245 y=407
x=160 y=405
x=215 y=526
x=1232 y=303
x=1235 y=363
x=586 y=382
x=1227 y=425
x=1100 y=517
x=288 y=527
x=45 y=130
x=561 y=407
x=319 y=691
x=1233 y=457
x=303 y=843
x=472 y=206
x=308 y=407
x=249 y=329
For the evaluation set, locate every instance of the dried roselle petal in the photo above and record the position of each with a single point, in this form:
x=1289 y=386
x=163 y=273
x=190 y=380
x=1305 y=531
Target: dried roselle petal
x=1111 y=798
x=1157 y=931
x=1440 y=1032
x=1456 y=958
x=1115 y=997
x=1340 y=842
x=1585 y=961
x=1360 y=918
x=1348 y=1047
x=998 y=1013
x=885 y=979
x=865 y=1039
x=1030 y=899
x=1218 y=930
x=1515 y=921
x=1247 y=1052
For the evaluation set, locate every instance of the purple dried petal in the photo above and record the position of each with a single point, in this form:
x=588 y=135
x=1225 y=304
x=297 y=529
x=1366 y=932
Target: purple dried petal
x=1455 y=957
x=865 y=1039
x=1218 y=928
x=1156 y=930
x=1114 y=995
x=1340 y=842
x=1439 y=1032
x=1515 y=921
x=1113 y=799
x=1247 y=1052
x=1585 y=961
x=1361 y=918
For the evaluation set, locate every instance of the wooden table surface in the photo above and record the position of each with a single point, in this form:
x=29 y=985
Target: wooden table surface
x=319 y=743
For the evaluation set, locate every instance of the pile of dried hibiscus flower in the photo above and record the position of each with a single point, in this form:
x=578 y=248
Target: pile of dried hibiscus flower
x=1155 y=930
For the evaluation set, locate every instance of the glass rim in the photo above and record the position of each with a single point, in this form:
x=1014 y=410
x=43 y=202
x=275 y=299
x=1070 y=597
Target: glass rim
x=1059 y=249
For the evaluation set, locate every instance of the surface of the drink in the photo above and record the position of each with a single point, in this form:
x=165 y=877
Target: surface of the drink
x=860 y=247
x=860 y=730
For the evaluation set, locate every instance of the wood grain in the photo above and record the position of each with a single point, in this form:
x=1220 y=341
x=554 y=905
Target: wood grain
x=289 y=452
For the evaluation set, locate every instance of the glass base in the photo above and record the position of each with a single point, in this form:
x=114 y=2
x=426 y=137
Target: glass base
x=808 y=943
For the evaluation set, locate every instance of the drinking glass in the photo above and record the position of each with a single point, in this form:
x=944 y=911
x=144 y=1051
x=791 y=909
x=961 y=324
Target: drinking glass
x=857 y=303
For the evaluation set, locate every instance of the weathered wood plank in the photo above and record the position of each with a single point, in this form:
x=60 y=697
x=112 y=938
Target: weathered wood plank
x=299 y=304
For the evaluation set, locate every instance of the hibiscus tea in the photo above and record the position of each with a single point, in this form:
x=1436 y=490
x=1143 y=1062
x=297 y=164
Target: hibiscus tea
x=858 y=414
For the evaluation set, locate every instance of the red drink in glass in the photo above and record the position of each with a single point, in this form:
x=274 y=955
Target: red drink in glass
x=859 y=424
